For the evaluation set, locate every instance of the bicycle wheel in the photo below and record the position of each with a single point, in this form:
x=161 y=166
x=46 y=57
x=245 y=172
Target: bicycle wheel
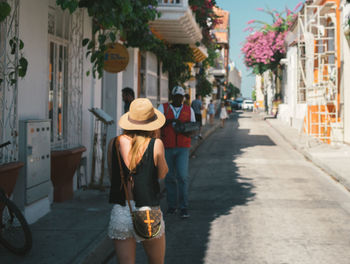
x=15 y=234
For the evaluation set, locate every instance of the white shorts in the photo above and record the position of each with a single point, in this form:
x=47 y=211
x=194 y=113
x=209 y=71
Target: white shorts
x=120 y=224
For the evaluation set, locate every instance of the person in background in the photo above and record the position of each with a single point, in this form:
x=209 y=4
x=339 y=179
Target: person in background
x=211 y=112
x=187 y=99
x=142 y=156
x=177 y=149
x=228 y=108
x=197 y=107
x=223 y=114
x=128 y=96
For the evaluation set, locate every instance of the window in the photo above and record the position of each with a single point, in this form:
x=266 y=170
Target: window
x=58 y=28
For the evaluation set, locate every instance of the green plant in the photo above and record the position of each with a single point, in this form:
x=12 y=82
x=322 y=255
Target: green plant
x=16 y=45
x=126 y=18
x=232 y=91
x=254 y=95
x=203 y=87
x=205 y=17
x=5 y=10
x=212 y=55
x=174 y=59
x=129 y=19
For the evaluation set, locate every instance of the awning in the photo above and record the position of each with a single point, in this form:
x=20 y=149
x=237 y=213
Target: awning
x=200 y=53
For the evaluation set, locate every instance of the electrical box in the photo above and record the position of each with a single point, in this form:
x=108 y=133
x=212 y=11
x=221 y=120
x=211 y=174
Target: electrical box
x=34 y=148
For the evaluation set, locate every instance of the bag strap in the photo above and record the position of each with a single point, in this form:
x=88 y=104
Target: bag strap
x=122 y=174
x=167 y=110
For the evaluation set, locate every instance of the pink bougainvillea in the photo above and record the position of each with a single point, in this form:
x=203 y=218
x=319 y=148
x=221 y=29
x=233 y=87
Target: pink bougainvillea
x=264 y=48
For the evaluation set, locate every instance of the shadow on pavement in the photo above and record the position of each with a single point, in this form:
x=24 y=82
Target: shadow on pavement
x=216 y=189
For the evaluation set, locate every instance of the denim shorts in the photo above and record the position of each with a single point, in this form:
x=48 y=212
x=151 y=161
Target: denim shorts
x=120 y=224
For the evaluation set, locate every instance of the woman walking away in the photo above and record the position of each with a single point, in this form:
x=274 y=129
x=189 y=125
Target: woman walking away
x=223 y=114
x=143 y=163
x=211 y=112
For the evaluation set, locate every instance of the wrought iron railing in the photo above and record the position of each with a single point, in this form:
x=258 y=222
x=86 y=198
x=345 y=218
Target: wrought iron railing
x=9 y=85
x=75 y=80
x=69 y=134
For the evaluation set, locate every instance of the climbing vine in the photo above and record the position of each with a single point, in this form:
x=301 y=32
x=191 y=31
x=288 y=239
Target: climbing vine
x=129 y=20
x=16 y=45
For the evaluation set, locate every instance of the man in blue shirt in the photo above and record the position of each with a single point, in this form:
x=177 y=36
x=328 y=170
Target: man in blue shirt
x=197 y=108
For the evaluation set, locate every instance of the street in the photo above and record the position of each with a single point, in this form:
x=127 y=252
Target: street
x=254 y=199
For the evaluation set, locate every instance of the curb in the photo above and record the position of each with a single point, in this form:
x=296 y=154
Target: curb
x=333 y=174
x=103 y=250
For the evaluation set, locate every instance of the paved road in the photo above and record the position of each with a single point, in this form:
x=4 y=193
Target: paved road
x=255 y=200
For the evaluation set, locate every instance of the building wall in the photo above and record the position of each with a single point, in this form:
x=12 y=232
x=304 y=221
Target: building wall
x=33 y=89
x=345 y=80
x=33 y=32
x=164 y=86
x=130 y=74
x=235 y=76
x=286 y=110
x=259 y=92
x=346 y=87
x=291 y=112
x=92 y=97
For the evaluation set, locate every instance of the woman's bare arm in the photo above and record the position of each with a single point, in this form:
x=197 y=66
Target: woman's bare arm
x=159 y=159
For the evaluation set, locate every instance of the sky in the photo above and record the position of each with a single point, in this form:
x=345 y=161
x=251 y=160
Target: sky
x=240 y=13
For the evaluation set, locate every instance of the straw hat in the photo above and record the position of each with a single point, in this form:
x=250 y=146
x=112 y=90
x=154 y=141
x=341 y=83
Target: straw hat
x=142 y=116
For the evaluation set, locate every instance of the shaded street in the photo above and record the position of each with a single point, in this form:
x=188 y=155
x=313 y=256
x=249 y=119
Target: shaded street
x=254 y=199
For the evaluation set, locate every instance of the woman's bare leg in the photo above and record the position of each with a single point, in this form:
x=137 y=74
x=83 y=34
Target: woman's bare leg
x=155 y=250
x=126 y=250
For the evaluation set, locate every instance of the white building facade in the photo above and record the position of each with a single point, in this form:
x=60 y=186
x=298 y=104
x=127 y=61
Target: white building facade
x=345 y=55
x=57 y=92
x=235 y=76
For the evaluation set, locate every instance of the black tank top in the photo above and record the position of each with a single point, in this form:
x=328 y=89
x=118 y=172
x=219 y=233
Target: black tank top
x=146 y=189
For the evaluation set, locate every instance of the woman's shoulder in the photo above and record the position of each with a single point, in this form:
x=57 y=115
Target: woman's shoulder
x=158 y=145
x=124 y=139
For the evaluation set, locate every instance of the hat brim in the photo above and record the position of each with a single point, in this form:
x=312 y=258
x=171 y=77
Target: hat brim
x=124 y=122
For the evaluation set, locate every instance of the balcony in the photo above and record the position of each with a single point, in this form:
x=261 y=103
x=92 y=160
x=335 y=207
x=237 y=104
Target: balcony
x=177 y=24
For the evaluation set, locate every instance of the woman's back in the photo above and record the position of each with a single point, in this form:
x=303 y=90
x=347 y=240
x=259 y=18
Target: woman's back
x=125 y=147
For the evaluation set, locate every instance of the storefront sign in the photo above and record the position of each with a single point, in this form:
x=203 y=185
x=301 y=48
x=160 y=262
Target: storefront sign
x=116 y=58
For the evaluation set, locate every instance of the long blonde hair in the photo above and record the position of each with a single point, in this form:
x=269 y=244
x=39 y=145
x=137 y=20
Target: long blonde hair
x=138 y=142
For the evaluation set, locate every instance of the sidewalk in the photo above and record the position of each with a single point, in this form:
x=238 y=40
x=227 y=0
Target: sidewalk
x=76 y=231
x=333 y=159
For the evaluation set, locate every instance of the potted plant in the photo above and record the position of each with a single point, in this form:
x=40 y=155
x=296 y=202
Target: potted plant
x=8 y=176
x=64 y=164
